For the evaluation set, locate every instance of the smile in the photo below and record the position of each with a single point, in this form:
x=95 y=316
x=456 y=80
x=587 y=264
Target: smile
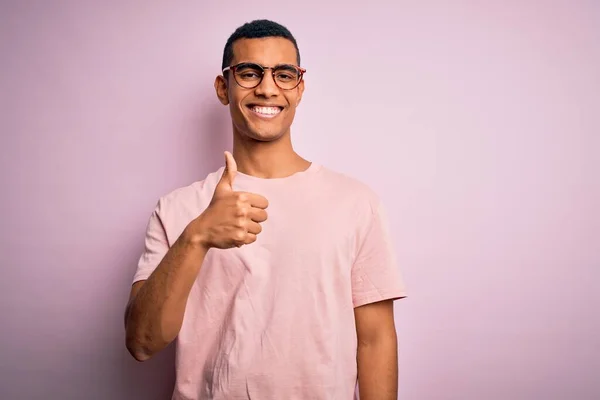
x=265 y=112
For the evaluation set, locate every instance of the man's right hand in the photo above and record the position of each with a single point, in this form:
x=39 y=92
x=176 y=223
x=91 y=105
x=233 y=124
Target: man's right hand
x=232 y=218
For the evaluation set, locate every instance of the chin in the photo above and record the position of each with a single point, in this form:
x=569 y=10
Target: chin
x=265 y=131
x=264 y=136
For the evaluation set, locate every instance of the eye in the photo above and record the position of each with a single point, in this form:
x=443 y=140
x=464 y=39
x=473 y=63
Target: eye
x=285 y=76
x=248 y=74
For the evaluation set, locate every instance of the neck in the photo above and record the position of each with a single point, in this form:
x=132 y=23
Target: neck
x=268 y=160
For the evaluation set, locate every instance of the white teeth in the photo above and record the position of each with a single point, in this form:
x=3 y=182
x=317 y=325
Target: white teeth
x=266 y=110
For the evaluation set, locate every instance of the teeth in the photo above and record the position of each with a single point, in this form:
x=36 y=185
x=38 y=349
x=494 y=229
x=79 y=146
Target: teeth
x=266 y=110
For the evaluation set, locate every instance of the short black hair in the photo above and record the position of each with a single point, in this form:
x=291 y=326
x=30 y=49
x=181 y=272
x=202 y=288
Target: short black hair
x=260 y=28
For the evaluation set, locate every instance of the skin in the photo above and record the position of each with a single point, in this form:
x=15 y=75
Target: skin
x=377 y=353
x=263 y=148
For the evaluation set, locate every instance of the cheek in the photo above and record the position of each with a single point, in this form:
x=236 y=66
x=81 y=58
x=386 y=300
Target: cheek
x=292 y=109
x=234 y=96
x=291 y=113
x=295 y=101
x=235 y=105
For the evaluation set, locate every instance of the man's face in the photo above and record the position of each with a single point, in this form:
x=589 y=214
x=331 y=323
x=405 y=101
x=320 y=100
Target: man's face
x=266 y=112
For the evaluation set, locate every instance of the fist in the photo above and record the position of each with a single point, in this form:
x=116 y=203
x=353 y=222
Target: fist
x=232 y=218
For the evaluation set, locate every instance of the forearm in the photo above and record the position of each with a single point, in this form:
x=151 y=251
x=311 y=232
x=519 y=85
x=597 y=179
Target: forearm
x=155 y=315
x=378 y=369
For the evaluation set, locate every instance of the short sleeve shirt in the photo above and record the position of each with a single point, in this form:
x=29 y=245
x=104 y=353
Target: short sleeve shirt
x=275 y=319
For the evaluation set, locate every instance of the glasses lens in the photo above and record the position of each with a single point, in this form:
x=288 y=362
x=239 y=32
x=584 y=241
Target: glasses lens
x=248 y=75
x=286 y=76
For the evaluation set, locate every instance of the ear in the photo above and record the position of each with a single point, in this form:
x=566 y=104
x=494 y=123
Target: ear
x=221 y=89
x=300 y=92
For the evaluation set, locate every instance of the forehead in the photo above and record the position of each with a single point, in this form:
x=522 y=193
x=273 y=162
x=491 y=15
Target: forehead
x=265 y=51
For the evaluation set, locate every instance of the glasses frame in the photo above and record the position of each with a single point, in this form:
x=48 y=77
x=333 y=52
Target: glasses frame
x=232 y=68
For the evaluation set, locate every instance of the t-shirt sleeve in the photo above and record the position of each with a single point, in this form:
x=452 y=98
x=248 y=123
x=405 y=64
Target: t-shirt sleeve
x=375 y=273
x=156 y=246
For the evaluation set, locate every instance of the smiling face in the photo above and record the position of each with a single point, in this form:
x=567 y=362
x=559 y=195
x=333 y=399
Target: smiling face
x=266 y=112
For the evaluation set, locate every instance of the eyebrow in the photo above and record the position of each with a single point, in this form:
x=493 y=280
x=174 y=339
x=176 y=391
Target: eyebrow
x=282 y=65
x=286 y=66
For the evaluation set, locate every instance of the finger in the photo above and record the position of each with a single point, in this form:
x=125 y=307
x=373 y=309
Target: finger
x=253 y=227
x=250 y=238
x=257 y=214
x=229 y=173
x=230 y=167
x=253 y=199
x=258 y=201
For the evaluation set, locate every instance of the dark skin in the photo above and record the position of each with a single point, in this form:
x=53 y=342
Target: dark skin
x=377 y=353
x=262 y=147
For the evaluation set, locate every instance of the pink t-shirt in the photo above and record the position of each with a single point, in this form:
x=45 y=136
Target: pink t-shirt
x=275 y=319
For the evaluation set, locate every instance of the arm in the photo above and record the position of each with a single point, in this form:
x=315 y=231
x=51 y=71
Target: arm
x=156 y=306
x=377 y=354
x=154 y=315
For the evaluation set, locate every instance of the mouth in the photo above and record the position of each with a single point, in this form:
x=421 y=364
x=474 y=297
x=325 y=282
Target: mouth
x=265 y=111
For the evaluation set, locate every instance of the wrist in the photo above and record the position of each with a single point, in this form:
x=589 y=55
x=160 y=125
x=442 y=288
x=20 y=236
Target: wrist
x=194 y=237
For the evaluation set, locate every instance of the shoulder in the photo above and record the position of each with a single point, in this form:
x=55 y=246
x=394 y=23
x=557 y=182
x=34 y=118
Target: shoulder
x=349 y=189
x=192 y=197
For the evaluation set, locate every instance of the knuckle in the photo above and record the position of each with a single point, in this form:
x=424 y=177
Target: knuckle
x=239 y=204
x=241 y=223
x=239 y=235
x=242 y=211
x=242 y=197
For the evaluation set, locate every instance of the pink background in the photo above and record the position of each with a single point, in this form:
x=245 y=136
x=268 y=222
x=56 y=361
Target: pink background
x=478 y=124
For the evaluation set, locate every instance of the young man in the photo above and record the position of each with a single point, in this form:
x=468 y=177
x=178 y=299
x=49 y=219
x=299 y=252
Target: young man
x=274 y=274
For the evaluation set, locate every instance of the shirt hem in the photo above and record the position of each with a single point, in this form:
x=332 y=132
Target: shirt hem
x=393 y=295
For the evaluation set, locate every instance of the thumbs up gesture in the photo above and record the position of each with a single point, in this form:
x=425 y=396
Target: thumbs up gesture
x=232 y=218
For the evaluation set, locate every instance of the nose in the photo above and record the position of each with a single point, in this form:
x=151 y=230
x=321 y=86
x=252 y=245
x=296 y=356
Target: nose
x=267 y=87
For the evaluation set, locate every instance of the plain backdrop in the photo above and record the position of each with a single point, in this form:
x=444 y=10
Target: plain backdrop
x=478 y=124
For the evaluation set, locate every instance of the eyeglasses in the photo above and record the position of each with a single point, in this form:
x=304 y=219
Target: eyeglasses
x=250 y=75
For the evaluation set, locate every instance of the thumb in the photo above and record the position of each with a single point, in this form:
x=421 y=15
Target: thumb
x=229 y=173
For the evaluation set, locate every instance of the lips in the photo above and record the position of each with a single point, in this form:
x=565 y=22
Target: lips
x=265 y=111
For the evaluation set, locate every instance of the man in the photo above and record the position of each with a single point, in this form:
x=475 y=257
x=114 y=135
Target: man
x=293 y=303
